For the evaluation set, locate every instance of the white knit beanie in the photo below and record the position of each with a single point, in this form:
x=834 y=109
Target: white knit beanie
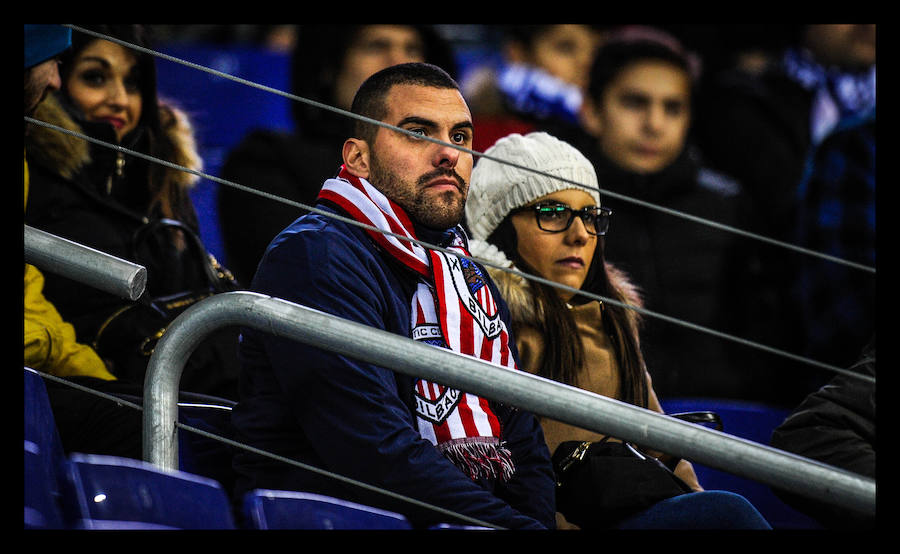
x=497 y=188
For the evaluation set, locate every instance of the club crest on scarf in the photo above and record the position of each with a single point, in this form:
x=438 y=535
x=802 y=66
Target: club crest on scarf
x=451 y=308
x=470 y=290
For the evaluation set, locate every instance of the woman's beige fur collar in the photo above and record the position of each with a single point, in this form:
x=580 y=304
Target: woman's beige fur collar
x=68 y=153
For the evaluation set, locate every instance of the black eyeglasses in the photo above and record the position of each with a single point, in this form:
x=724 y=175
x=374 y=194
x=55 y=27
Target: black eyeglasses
x=556 y=218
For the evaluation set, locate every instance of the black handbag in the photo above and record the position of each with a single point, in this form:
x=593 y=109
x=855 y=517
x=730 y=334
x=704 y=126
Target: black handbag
x=127 y=338
x=600 y=483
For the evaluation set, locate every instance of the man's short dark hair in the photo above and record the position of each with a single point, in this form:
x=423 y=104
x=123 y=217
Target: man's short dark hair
x=615 y=56
x=370 y=98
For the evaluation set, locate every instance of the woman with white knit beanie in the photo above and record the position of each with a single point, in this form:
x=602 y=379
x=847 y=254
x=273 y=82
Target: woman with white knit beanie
x=534 y=205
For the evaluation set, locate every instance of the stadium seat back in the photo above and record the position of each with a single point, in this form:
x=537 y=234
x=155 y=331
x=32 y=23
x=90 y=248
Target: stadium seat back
x=269 y=509
x=44 y=457
x=108 y=492
x=752 y=421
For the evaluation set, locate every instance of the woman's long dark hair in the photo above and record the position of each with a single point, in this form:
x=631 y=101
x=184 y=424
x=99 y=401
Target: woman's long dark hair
x=563 y=356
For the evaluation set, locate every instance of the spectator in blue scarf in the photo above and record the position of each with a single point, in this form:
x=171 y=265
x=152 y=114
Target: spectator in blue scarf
x=784 y=134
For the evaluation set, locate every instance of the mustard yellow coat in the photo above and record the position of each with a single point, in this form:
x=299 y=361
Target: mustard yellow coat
x=50 y=343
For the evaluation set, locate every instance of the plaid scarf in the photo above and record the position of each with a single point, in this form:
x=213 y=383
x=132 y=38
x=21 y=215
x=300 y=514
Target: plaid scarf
x=452 y=308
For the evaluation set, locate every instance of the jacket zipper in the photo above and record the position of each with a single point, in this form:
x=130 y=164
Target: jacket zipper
x=119 y=171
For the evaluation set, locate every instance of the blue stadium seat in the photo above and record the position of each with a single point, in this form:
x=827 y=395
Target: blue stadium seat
x=457 y=527
x=108 y=492
x=272 y=509
x=44 y=457
x=40 y=426
x=42 y=509
x=752 y=421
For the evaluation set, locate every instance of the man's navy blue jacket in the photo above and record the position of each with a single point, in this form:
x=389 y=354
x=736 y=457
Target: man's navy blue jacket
x=356 y=419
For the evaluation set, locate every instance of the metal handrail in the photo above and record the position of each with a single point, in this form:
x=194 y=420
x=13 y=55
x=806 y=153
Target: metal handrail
x=84 y=264
x=541 y=396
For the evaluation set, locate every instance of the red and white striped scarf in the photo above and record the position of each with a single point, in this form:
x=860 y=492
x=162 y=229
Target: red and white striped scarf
x=453 y=308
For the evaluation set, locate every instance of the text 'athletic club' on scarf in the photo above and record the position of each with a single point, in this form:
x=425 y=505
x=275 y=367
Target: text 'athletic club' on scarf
x=452 y=308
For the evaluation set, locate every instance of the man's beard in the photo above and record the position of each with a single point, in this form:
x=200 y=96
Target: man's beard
x=443 y=211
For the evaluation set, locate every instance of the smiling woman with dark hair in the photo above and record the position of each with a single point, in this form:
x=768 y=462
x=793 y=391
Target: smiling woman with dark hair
x=111 y=200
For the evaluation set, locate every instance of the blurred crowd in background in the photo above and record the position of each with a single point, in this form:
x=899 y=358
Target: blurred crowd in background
x=768 y=128
x=776 y=138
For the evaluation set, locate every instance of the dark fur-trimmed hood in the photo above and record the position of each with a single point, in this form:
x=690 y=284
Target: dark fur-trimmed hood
x=69 y=154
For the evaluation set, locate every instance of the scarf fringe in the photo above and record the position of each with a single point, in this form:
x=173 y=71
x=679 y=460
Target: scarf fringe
x=479 y=457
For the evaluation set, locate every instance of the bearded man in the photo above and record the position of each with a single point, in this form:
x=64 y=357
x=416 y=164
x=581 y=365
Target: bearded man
x=440 y=446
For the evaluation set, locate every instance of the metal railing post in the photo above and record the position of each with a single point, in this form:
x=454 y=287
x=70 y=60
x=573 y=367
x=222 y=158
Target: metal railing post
x=86 y=265
x=519 y=388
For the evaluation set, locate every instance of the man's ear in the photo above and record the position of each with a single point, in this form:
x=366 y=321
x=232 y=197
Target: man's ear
x=356 y=157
